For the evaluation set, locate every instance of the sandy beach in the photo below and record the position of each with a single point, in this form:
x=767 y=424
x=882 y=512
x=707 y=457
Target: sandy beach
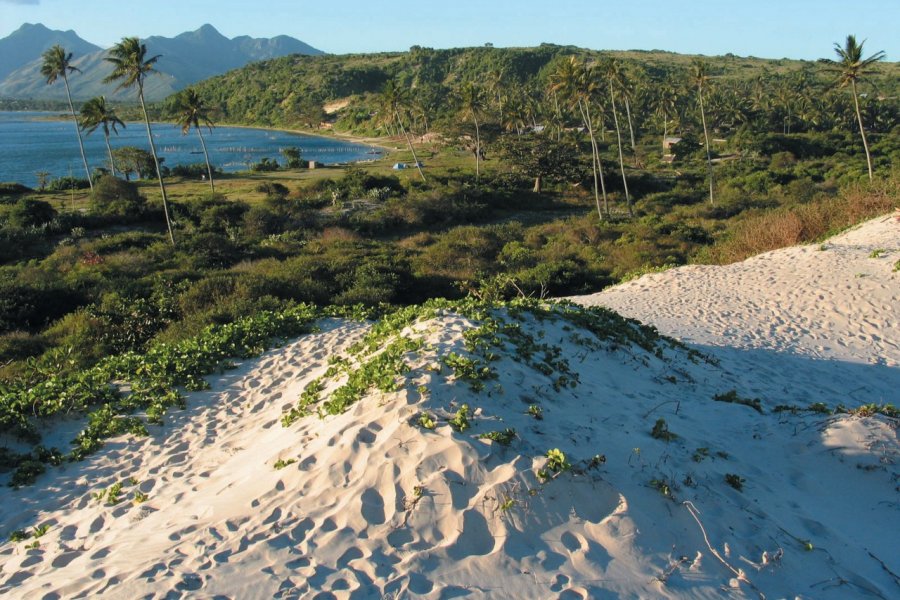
x=664 y=491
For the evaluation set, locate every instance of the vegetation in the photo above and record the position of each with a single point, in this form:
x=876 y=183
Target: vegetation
x=93 y=290
x=131 y=66
x=56 y=64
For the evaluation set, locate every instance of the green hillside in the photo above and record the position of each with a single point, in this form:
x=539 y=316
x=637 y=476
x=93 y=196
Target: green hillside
x=767 y=94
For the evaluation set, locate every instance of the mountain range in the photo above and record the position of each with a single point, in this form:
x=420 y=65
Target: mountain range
x=184 y=59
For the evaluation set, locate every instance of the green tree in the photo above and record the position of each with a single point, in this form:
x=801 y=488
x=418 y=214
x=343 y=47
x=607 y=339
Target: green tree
x=392 y=98
x=293 y=156
x=131 y=67
x=850 y=68
x=700 y=76
x=57 y=63
x=471 y=98
x=97 y=113
x=574 y=82
x=665 y=105
x=615 y=78
x=192 y=112
x=540 y=156
x=131 y=159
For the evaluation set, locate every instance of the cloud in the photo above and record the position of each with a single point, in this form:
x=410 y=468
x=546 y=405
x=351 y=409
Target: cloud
x=28 y=2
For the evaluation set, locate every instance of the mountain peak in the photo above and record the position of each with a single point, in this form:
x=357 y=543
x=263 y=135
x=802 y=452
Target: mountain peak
x=189 y=57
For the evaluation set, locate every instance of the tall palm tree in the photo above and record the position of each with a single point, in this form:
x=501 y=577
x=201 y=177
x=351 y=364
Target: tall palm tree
x=615 y=77
x=393 y=97
x=700 y=76
x=131 y=66
x=192 y=112
x=58 y=63
x=471 y=97
x=97 y=113
x=574 y=82
x=852 y=67
x=666 y=106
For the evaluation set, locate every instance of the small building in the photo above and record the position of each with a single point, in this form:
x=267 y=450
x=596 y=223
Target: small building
x=399 y=166
x=668 y=142
x=313 y=164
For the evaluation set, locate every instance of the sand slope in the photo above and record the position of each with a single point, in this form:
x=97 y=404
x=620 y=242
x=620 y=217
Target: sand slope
x=376 y=506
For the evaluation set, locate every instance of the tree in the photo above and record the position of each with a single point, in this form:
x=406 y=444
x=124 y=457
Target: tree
x=471 y=97
x=574 y=83
x=131 y=66
x=852 y=67
x=392 y=97
x=131 y=159
x=57 y=63
x=293 y=156
x=192 y=112
x=700 y=75
x=42 y=177
x=97 y=113
x=541 y=156
x=666 y=106
x=615 y=80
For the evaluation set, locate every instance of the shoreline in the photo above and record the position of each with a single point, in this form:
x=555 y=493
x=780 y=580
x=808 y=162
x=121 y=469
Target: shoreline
x=376 y=141
x=377 y=148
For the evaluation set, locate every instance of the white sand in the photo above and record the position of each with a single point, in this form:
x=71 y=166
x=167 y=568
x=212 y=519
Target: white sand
x=345 y=520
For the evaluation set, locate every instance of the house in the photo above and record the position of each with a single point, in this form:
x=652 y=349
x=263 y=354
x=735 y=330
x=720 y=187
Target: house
x=668 y=142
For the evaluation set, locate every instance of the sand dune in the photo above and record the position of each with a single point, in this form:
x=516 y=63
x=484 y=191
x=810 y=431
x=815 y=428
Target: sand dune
x=373 y=505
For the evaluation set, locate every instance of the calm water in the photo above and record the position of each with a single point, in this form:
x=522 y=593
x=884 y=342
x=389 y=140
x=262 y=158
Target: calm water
x=30 y=143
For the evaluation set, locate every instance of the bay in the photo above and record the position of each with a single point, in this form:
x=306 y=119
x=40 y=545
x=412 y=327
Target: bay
x=38 y=141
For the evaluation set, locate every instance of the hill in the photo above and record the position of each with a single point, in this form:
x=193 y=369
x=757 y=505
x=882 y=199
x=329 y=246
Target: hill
x=185 y=59
x=344 y=90
x=521 y=450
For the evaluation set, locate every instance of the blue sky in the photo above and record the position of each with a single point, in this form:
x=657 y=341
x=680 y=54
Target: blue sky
x=765 y=28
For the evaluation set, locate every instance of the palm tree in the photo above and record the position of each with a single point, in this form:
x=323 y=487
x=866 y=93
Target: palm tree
x=392 y=98
x=57 y=63
x=615 y=78
x=96 y=113
x=471 y=97
x=852 y=67
x=131 y=66
x=700 y=75
x=575 y=83
x=666 y=106
x=192 y=112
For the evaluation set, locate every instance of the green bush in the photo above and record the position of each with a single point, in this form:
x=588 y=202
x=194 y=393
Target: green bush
x=116 y=197
x=28 y=212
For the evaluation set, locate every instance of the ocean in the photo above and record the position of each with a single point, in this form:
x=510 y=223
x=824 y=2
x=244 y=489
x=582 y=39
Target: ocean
x=39 y=141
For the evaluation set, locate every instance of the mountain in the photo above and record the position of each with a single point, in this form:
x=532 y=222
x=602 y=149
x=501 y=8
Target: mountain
x=26 y=44
x=185 y=59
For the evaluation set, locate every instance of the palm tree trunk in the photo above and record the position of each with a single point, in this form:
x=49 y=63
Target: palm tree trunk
x=162 y=186
x=212 y=185
x=87 y=171
x=612 y=99
x=477 y=147
x=630 y=126
x=706 y=137
x=411 y=149
x=862 y=130
x=665 y=133
x=112 y=164
x=559 y=125
x=596 y=164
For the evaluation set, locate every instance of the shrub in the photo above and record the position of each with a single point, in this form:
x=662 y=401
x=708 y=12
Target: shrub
x=116 y=197
x=28 y=212
x=18 y=345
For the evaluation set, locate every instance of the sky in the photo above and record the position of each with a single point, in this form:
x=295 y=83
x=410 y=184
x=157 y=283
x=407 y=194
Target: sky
x=804 y=29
